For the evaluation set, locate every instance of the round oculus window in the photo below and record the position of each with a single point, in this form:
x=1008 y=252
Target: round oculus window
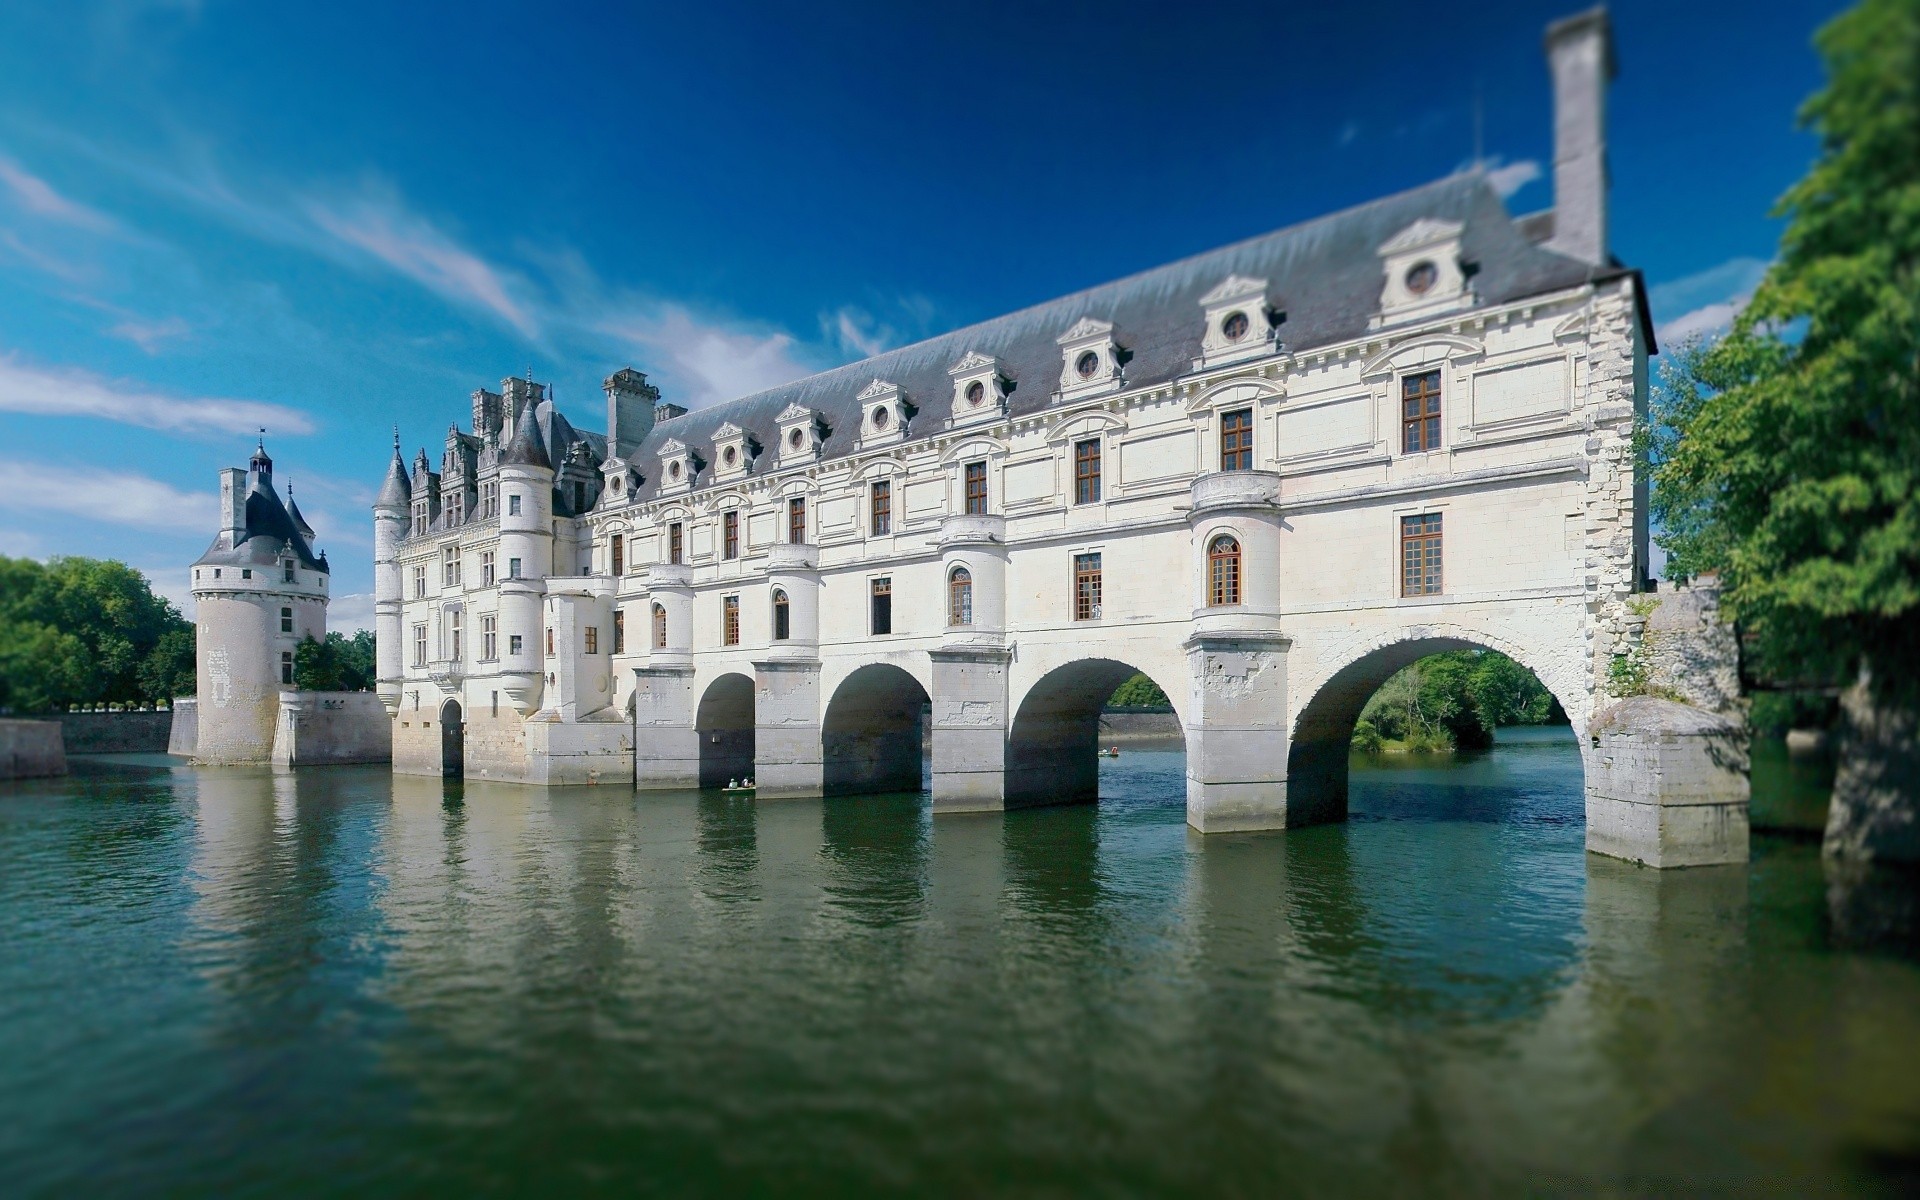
x=1421 y=277
x=1235 y=326
x=976 y=393
x=673 y=470
x=616 y=485
x=1086 y=365
x=879 y=418
x=729 y=456
x=797 y=439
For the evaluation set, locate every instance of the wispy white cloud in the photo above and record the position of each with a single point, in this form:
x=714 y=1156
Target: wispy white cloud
x=18 y=543
x=856 y=332
x=381 y=226
x=132 y=499
x=1705 y=303
x=350 y=613
x=151 y=335
x=715 y=360
x=35 y=195
x=50 y=392
x=1509 y=178
x=1349 y=133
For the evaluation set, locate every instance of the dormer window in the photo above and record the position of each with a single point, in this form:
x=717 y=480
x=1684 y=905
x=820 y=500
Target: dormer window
x=1235 y=326
x=729 y=458
x=1091 y=359
x=979 y=389
x=678 y=466
x=796 y=439
x=1424 y=273
x=799 y=435
x=887 y=412
x=880 y=418
x=673 y=471
x=1421 y=277
x=1240 y=323
x=734 y=451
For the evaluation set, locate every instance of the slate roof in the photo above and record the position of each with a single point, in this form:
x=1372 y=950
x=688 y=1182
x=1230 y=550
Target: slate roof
x=270 y=532
x=1324 y=274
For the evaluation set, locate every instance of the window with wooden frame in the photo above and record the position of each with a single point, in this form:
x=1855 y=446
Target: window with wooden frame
x=619 y=556
x=449 y=566
x=659 y=627
x=1236 y=440
x=782 y=618
x=882 y=602
x=419 y=645
x=286 y=667
x=730 y=534
x=976 y=475
x=1086 y=587
x=489 y=637
x=419 y=582
x=1086 y=471
x=619 y=632
x=286 y=620
x=486 y=568
x=730 y=620
x=1420 y=555
x=1420 y=412
x=960 y=597
x=676 y=543
x=882 y=507
x=797 y=520
x=453 y=635
x=1223 y=571
x=593 y=639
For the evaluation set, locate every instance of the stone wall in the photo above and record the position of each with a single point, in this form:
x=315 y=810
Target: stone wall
x=31 y=749
x=1667 y=784
x=1688 y=653
x=115 y=732
x=331 y=728
x=183 y=737
x=1124 y=727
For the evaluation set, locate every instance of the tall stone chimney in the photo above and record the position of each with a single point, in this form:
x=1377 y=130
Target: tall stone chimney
x=630 y=401
x=1580 y=55
x=233 y=505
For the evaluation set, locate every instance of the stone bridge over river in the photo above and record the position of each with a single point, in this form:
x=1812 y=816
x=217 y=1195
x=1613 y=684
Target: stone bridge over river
x=1267 y=476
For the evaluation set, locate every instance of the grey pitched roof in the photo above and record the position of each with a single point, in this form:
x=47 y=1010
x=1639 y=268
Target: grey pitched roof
x=1324 y=274
x=299 y=522
x=270 y=532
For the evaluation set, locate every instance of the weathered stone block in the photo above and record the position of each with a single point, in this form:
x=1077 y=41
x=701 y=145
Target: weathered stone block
x=1667 y=785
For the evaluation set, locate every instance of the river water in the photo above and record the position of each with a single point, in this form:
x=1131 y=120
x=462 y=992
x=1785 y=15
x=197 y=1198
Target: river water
x=231 y=982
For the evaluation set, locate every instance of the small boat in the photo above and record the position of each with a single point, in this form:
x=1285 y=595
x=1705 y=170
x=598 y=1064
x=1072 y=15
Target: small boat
x=1109 y=752
x=736 y=787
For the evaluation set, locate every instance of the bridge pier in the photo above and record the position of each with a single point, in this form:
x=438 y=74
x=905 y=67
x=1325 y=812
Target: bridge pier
x=1237 y=735
x=666 y=746
x=786 y=712
x=970 y=727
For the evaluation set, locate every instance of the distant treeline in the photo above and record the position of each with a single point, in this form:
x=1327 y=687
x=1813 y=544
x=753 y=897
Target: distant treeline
x=81 y=632
x=1453 y=701
x=1138 y=692
x=338 y=664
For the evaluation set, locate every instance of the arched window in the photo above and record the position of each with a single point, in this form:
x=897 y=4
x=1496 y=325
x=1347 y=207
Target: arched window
x=782 y=626
x=960 y=597
x=1223 y=571
x=659 y=627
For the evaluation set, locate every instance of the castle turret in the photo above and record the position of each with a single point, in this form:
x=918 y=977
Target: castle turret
x=258 y=591
x=389 y=526
x=526 y=553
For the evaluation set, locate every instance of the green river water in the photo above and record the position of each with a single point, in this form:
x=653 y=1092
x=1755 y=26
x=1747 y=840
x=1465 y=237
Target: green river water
x=335 y=982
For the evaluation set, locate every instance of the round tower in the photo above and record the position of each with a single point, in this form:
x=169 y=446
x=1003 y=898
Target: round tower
x=389 y=526
x=258 y=591
x=526 y=558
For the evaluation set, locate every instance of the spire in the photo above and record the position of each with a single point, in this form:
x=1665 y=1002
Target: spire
x=397 y=490
x=525 y=449
x=293 y=510
x=260 y=465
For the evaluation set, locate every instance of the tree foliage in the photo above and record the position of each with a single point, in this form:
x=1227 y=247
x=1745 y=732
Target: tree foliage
x=1138 y=692
x=1787 y=454
x=1453 y=700
x=335 y=664
x=85 y=631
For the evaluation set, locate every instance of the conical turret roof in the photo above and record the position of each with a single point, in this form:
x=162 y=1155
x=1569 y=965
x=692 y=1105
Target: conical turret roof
x=526 y=450
x=397 y=490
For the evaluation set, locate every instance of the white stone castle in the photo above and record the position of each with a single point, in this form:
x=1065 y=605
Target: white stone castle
x=1268 y=476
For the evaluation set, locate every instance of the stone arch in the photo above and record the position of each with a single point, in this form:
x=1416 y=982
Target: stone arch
x=1321 y=729
x=723 y=724
x=1055 y=733
x=453 y=740
x=873 y=733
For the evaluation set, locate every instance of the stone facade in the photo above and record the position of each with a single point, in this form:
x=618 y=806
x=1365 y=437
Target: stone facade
x=1267 y=477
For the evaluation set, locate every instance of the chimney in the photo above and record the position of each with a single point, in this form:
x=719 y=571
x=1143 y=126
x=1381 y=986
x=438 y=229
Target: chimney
x=630 y=401
x=667 y=412
x=233 y=505
x=1580 y=55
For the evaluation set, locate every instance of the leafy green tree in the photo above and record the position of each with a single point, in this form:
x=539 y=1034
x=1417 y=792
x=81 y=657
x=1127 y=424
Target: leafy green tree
x=1787 y=454
x=335 y=664
x=169 y=669
x=1138 y=692
x=82 y=631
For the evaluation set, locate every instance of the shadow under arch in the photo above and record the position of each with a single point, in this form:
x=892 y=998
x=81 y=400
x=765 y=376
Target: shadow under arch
x=724 y=726
x=453 y=740
x=873 y=736
x=1052 y=746
x=1323 y=732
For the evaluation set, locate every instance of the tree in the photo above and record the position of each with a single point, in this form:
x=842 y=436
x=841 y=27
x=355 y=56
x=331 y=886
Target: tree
x=83 y=631
x=169 y=670
x=334 y=664
x=1789 y=461
x=1138 y=692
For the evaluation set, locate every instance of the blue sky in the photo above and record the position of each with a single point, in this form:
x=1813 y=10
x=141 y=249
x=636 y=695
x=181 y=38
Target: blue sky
x=216 y=215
